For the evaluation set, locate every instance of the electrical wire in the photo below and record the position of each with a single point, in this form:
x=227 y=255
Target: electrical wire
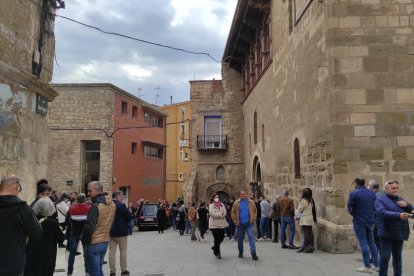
x=138 y=39
x=111 y=134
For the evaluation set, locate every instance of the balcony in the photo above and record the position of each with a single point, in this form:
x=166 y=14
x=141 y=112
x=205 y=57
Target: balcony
x=212 y=142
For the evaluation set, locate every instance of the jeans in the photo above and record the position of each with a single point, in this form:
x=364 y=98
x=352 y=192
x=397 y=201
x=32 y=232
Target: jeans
x=95 y=254
x=122 y=242
x=187 y=227
x=174 y=223
x=264 y=227
x=285 y=221
x=73 y=246
x=248 y=229
x=389 y=247
x=364 y=232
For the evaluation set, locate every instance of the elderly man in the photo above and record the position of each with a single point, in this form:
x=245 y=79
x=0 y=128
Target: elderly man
x=95 y=235
x=243 y=214
x=17 y=222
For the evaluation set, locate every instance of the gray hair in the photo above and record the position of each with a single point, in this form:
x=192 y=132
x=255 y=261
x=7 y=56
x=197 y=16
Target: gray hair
x=373 y=183
x=44 y=207
x=389 y=182
x=9 y=180
x=97 y=185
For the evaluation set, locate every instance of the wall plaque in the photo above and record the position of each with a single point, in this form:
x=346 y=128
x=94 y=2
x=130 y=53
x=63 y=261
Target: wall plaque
x=41 y=105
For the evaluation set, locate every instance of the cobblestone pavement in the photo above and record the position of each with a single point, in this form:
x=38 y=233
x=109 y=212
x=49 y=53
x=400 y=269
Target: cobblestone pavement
x=168 y=254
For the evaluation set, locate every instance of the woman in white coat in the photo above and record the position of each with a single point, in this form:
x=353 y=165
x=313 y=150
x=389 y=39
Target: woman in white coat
x=217 y=223
x=307 y=218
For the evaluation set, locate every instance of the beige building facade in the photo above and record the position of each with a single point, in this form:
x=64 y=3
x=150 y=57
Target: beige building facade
x=27 y=47
x=216 y=140
x=100 y=132
x=327 y=96
x=178 y=148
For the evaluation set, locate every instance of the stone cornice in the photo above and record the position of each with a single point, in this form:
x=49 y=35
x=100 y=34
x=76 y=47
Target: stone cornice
x=27 y=80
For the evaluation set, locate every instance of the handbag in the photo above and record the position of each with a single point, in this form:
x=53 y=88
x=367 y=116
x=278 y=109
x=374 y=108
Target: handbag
x=178 y=217
x=298 y=215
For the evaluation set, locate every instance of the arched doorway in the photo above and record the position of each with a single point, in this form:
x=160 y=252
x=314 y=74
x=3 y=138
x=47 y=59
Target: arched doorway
x=224 y=197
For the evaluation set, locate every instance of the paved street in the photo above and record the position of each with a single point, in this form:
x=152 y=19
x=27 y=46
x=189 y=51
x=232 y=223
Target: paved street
x=153 y=254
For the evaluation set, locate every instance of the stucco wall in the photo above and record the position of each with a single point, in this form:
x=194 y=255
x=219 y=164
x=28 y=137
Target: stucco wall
x=23 y=132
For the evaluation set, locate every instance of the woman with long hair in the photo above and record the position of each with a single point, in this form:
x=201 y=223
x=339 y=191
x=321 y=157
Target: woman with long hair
x=307 y=218
x=217 y=223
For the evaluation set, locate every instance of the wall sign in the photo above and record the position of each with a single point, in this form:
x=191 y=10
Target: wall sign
x=41 y=105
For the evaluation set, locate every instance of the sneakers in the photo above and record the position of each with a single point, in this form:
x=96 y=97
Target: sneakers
x=112 y=274
x=364 y=269
x=375 y=268
x=260 y=239
x=126 y=272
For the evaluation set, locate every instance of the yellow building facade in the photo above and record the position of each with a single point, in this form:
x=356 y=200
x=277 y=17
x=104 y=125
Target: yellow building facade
x=178 y=148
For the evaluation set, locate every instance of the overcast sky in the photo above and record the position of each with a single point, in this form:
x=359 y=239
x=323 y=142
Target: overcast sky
x=86 y=55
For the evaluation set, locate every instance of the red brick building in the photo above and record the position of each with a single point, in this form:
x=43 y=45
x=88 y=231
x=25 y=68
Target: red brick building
x=139 y=148
x=101 y=132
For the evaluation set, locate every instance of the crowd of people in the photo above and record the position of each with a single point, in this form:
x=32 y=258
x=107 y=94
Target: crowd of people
x=30 y=234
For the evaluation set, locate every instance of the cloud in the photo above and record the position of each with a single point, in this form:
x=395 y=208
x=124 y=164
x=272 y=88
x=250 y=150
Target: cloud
x=86 y=55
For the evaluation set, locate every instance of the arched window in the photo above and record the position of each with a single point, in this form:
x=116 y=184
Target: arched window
x=220 y=172
x=297 y=158
x=255 y=128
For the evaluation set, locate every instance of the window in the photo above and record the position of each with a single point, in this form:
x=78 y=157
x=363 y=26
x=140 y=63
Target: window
x=134 y=111
x=212 y=131
x=181 y=176
x=181 y=155
x=90 y=161
x=124 y=108
x=133 y=148
x=182 y=131
x=220 y=172
x=152 y=152
x=255 y=128
x=152 y=120
x=258 y=56
x=297 y=158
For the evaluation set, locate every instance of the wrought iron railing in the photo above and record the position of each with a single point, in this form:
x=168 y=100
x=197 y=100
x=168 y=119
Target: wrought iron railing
x=212 y=142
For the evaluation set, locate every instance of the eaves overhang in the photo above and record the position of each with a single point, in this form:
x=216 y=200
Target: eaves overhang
x=246 y=22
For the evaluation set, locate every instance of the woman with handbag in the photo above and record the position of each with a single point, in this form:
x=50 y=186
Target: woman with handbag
x=307 y=216
x=217 y=223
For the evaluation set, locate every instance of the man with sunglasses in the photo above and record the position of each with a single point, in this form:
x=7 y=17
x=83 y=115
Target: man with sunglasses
x=17 y=223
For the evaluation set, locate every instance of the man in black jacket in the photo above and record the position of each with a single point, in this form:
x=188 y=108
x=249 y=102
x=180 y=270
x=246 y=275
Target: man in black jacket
x=17 y=223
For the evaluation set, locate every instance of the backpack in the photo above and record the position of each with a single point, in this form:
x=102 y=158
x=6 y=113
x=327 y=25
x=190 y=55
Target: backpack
x=178 y=217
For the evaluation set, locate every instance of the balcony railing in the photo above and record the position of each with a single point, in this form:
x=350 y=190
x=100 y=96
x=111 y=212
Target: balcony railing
x=212 y=142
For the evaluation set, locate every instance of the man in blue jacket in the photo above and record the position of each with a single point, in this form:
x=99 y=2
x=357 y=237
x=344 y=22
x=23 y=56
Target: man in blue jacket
x=361 y=205
x=392 y=220
x=119 y=234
